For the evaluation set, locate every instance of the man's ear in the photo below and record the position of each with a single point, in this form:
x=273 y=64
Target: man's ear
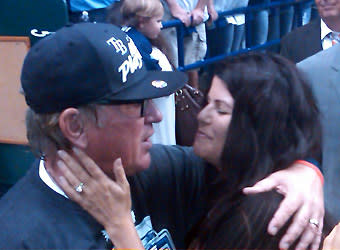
x=72 y=125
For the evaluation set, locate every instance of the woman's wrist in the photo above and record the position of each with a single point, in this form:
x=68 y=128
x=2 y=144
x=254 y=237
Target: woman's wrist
x=124 y=235
x=312 y=166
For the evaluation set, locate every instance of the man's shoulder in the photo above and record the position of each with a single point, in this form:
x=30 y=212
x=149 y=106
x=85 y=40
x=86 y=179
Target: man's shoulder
x=174 y=160
x=23 y=200
x=19 y=191
x=18 y=220
x=172 y=153
x=321 y=59
x=302 y=31
x=34 y=216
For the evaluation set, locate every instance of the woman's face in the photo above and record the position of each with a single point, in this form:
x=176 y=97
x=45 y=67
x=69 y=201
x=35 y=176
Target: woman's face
x=213 y=122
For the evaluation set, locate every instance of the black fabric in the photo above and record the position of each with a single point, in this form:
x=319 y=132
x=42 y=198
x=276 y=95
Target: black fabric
x=33 y=216
x=302 y=42
x=171 y=191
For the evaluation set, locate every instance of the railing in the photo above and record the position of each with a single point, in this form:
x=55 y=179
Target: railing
x=249 y=12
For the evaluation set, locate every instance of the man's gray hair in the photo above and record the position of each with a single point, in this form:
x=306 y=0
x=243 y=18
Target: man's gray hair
x=44 y=134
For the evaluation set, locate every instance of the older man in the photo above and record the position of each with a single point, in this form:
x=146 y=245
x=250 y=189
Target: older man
x=86 y=86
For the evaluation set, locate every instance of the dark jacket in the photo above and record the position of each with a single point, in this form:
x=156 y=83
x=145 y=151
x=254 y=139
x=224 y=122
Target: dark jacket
x=302 y=42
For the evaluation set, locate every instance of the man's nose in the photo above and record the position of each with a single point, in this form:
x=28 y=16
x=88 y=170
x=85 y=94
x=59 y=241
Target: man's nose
x=151 y=112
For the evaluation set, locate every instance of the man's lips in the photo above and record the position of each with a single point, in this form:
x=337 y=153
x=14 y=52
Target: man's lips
x=147 y=141
x=147 y=144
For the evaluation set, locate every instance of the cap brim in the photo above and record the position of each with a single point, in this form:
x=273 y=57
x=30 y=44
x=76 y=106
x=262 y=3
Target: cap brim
x=155 y=84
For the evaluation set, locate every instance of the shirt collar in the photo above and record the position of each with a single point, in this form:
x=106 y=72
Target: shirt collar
x=47 y=179
x=324 y=30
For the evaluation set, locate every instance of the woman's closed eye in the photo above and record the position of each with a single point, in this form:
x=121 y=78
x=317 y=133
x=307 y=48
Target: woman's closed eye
x=222 y=107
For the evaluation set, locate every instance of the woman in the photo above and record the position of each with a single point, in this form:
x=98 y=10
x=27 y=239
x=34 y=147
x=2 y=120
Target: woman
x=257 y=121
x=260 y=118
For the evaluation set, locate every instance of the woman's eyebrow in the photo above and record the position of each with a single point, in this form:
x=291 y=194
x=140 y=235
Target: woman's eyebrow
x=224 y=102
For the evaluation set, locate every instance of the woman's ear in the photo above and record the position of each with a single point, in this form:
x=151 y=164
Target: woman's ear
x=72 y=126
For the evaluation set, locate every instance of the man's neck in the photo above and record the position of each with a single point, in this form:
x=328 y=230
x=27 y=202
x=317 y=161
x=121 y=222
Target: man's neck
x=48 y=180
x=52 y=168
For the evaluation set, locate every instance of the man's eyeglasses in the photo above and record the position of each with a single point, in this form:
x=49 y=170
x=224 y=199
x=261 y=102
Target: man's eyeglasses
x=143 y=104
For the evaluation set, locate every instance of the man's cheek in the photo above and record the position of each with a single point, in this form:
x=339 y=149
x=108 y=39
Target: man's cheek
x=131 y=144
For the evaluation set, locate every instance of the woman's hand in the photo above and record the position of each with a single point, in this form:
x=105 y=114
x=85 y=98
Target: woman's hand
x=303 y=193
x=107 y=200
x=332 y=241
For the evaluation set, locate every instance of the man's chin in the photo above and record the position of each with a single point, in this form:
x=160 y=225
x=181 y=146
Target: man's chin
x=145 y=162
x=139 y=166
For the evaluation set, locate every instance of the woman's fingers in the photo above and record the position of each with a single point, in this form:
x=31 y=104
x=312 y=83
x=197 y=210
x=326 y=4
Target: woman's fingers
x=88 y=164
x=317 y=240
x=71 y=164
x=264 y=185
x=312 y=233
x=68 y=182
x=315 y=226
x=298 y=224
x=119 y=173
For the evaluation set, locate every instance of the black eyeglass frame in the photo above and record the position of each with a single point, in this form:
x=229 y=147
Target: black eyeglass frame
x=119 y=102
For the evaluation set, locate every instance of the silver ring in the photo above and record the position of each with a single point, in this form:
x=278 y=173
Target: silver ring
x=79 y=188
x=314 y=222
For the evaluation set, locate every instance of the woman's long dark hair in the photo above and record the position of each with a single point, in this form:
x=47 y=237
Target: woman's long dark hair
x=275 y=121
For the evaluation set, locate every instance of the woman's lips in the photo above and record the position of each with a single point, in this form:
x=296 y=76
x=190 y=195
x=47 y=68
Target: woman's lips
x=202 y=134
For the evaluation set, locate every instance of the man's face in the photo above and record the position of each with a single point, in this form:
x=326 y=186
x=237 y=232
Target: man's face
x=121 y=131
x=328 y=9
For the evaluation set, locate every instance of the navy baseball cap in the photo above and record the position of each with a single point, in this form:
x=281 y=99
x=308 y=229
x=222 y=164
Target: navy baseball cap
x=88 y=62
